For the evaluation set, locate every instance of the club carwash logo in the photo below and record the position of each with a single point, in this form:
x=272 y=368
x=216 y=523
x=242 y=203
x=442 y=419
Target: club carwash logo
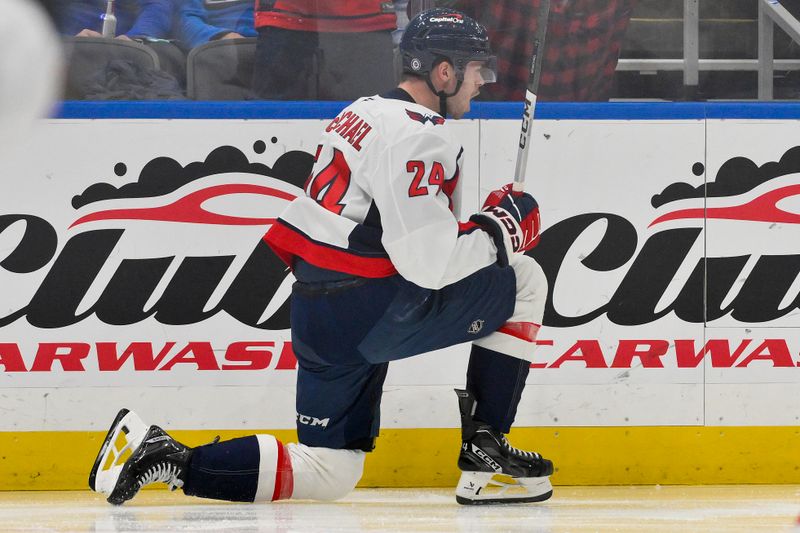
x=751 y=218
x=732 y=241
x=725 y=250
x=180 y=244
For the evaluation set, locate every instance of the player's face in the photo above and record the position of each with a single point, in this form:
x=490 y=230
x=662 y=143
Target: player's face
x=458 y=105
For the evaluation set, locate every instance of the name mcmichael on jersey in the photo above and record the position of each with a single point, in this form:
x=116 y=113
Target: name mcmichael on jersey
x=351 y=128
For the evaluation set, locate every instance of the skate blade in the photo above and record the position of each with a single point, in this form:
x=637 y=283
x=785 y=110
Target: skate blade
x=480 y=488
x=123 y=437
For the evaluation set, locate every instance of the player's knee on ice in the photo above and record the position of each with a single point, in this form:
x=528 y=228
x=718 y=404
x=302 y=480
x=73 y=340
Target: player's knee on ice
x=324 y=473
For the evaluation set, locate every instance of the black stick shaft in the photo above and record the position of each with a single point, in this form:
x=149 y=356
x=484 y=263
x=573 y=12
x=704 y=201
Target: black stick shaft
x=530 y=97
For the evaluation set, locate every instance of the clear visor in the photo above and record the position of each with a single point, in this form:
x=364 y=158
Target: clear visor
x=489 y=70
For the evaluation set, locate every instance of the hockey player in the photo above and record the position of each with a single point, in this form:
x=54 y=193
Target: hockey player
x=384 y=271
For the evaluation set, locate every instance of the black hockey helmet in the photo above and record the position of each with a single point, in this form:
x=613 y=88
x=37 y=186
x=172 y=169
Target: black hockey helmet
x=446 y=34
x=441 y=33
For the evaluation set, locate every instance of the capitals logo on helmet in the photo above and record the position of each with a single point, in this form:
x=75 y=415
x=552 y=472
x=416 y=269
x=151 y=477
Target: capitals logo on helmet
x=446 y=34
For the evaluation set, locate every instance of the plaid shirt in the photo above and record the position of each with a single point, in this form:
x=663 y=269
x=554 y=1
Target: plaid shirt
x=583 y=41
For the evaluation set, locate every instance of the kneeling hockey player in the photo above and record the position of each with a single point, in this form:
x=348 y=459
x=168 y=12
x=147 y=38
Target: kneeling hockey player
x=384 y=271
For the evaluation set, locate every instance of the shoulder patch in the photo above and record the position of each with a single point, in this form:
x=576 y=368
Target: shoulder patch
x=436 y=120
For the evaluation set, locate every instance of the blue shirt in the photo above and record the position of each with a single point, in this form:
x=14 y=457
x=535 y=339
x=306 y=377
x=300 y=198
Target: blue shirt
x=135 y=18
x=202 y=20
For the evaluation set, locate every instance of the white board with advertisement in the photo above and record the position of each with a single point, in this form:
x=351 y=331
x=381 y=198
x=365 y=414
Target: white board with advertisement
x=133 y=273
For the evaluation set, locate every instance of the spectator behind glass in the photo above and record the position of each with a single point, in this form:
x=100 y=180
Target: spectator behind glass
x=135 y=18
x=583 y=42
x=201 y=21
x=309 y=49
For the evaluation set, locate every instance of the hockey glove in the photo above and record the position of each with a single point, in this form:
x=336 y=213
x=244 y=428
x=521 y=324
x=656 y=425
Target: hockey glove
x=512 y=219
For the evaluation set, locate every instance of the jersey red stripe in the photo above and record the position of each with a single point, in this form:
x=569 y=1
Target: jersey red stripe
x=288 y=243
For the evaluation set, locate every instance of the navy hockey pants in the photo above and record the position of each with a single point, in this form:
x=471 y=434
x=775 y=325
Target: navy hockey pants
x=344 y=334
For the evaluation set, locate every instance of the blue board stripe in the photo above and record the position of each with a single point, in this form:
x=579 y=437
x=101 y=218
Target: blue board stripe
x=480 y=110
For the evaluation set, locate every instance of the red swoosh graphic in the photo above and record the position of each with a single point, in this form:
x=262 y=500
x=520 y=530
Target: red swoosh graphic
x=761 y=209
x=189 y=208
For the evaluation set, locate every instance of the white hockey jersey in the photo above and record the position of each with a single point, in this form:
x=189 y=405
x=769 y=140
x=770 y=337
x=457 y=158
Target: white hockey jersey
x=379 y=199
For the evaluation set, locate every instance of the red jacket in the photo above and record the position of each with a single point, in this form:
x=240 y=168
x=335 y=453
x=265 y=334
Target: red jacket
x=326 y=15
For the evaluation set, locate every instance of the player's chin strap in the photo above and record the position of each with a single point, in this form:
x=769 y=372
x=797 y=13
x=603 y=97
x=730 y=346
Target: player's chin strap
x=443 y=96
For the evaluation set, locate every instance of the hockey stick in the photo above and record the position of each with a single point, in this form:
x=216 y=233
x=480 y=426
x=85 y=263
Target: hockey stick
x=530 y=97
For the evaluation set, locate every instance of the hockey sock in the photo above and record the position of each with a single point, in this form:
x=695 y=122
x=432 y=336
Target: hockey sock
x=242 y=470
x=496 y=381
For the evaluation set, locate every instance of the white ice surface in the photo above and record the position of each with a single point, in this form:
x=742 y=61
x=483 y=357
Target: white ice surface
x=628 y=509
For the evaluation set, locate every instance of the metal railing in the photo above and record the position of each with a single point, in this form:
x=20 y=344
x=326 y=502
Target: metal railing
x=770 y=13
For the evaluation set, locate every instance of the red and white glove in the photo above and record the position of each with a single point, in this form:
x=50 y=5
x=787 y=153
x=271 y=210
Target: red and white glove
x=512 y=219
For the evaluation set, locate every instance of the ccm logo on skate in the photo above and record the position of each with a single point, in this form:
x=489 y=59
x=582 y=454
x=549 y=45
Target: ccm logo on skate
x=312 y=420
x=486 y=459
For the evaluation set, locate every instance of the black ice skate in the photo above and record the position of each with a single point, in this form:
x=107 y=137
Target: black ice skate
x=156 y=457
x=493 y=471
